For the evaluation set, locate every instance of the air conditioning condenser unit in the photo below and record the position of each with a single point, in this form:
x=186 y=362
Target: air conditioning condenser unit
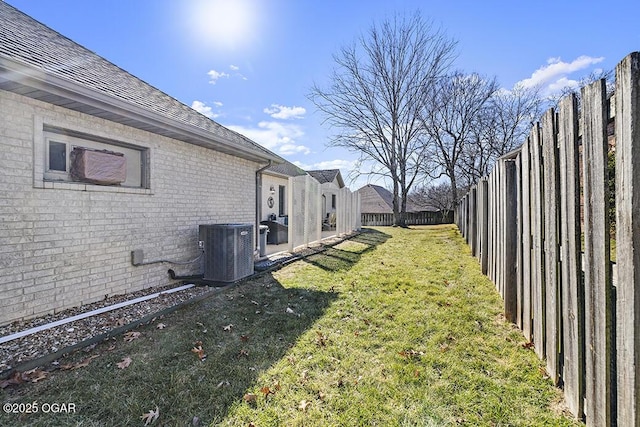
x=228 y=251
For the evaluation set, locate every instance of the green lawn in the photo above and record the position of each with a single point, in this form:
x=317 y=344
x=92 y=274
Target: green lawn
x=394 y=327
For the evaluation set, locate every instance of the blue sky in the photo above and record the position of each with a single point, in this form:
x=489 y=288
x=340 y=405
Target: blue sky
x=249 y=64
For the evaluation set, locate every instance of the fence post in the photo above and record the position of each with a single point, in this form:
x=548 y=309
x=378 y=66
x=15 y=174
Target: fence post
x=510 y=241
x=484 y=224
x=473 y=220
x=519 y=288
x=537 y=261
x=628 y=238
x=525 y=155
x=571 y=280
x=598 y=306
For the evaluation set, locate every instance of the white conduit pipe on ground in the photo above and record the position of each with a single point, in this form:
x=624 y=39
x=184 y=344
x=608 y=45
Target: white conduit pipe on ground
x=17 y=335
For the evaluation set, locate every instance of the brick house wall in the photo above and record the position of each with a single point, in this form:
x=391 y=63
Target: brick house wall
x=67 y=244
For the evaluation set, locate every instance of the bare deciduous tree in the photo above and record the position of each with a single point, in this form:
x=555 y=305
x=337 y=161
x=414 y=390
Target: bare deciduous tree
x=437 y=196
x=452 y=115
x=503 y=126
x=376 y=93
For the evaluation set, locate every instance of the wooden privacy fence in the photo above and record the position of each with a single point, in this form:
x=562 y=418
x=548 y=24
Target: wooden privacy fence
x=539 y=225
x=412 y=218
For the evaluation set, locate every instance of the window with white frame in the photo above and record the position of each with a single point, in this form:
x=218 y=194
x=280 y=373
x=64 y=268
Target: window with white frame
x=75 y=157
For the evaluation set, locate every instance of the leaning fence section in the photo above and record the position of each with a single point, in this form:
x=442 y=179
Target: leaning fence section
x=540 y=226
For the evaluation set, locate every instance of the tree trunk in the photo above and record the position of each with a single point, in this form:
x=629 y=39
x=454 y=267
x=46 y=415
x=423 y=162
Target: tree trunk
x=397 y=220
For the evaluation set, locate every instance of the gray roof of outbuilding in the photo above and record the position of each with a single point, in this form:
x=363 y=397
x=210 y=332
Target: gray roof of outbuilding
x=40 y=63
x=286 y=169
x=327 y=175
x=376 y=199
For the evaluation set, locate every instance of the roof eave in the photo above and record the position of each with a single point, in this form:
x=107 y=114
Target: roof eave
x=36 y=84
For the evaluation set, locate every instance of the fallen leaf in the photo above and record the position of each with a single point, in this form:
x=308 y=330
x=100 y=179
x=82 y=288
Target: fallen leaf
x=125 y=363
x=321 y=395
x=243 y=353
x=290 y=310
x=151 y=416
x=82 y=364
x=304 y=404
x=250 y=398
x=544 y=373
x=321 y=339
x=276 y=386
x=223 y=384
x=199 y=351
x=228 y=327
x=161 y=326
x=15 y=379
x=244 y=338
x=410 y=354
x=528 y=345
x=120 y=322
x=266 y=391
x=130 y=336
x=111 y=348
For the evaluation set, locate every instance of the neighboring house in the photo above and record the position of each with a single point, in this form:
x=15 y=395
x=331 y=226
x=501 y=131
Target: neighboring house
x=331 y=181
x=376 y=207
x=275 y=199
x=96 y=163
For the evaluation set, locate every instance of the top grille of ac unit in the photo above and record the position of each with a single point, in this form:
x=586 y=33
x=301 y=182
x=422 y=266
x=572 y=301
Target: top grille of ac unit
x=228 y=251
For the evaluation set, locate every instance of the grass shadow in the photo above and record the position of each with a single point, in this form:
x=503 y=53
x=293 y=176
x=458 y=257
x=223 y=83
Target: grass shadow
x=242 y=331
x=345 y=254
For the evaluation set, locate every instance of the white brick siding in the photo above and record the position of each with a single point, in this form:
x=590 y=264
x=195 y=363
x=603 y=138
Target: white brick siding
x=60 y=247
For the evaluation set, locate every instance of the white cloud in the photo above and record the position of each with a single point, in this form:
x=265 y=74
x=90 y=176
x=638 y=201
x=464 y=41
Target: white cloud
x=291 y=149
x=234 y=67
x=344 y=165
x=281 y=112
x=554 y=75
x=204 y=109
x=215 y=75
x=276 y=136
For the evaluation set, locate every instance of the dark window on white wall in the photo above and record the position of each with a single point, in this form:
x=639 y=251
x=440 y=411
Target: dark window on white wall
x=57 y=156
x=282 y=207
x=333 y=201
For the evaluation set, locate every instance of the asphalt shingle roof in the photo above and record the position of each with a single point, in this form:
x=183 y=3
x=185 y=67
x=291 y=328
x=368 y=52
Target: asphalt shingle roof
x=44 y=52
x=326 y=175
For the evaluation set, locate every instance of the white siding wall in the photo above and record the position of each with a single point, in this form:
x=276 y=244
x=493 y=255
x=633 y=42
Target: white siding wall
x=60 y=247
x=267 y=182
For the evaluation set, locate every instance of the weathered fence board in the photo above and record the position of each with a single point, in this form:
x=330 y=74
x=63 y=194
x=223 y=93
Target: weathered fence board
x=510 y=240
x=483 y=221
x=628 y=239
x=572 y=289
x=551 y=251
x=598 y=306
x=519 y=256
x=526 y=242
x=537 y=260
